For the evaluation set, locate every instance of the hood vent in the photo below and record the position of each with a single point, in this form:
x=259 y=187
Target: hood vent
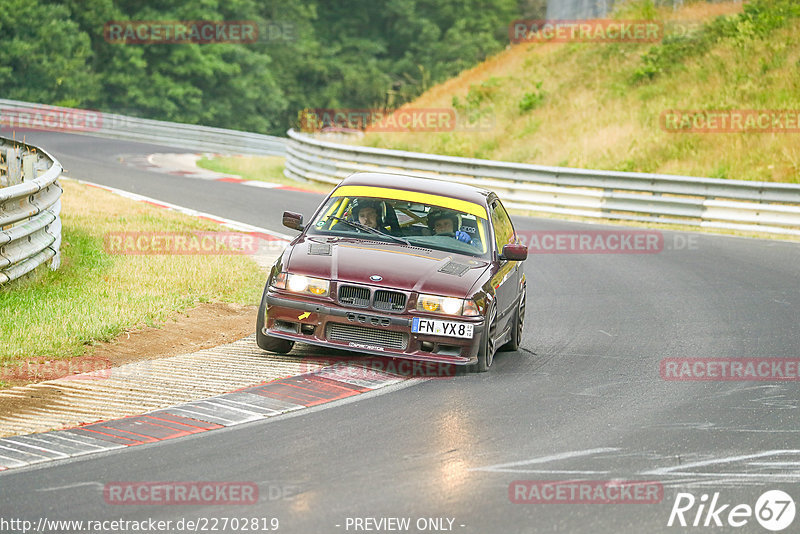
x=319 y=249
x=412 y=247
x=454 y=268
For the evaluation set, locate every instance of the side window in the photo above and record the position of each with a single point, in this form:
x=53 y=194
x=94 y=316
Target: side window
x=503 y=230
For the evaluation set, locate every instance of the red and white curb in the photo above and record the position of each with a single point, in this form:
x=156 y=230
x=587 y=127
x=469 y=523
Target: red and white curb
x=266 y=400
x=271 y=243
x=322 y=385
x=185 y=164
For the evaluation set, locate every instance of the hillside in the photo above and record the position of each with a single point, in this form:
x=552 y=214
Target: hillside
x=239 y=64
x=598 y=105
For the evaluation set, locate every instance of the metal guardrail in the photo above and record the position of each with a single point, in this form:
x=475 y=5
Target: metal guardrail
x=30 y=204
x=706 y=202
x=28 y=116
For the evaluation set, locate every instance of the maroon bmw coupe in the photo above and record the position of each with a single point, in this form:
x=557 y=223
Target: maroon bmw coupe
x=401 y=267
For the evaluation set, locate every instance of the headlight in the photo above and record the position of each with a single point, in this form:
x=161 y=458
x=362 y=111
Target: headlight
x=297 y=283
x=279 y=281
x=447 y=305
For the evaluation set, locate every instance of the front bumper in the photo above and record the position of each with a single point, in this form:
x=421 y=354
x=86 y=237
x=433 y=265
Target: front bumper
x=367 y=331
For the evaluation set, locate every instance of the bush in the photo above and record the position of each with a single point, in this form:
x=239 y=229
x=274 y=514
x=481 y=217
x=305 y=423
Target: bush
x=757 y=21
x=532 y=100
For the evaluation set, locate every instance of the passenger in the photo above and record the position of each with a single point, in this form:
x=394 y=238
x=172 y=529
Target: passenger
x=445 y=222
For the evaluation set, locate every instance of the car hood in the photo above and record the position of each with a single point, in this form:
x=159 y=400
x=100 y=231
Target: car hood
x=400 y=266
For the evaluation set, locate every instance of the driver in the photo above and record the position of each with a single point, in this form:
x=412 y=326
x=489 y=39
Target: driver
x=368 y=213
x=445 y=222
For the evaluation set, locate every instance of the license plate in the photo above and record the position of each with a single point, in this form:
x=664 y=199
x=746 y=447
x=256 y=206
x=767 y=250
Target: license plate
x=436 y=327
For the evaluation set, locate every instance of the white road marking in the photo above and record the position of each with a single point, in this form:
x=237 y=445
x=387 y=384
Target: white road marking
x=265 y=185
x=236 y=225
x=543 y=459
x=546 y=471
x=724 y=476
x=71 y=486
x=681 y=469
x=36 y=448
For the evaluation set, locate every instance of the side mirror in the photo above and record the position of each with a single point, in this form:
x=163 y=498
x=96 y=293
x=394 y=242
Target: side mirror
x=293 y=220
x=515 y=252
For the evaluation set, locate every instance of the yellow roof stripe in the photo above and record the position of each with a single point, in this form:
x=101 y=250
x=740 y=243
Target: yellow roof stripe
x=411 y=196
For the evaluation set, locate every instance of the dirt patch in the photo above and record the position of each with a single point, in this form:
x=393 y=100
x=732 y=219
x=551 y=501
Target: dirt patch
x=202 y=327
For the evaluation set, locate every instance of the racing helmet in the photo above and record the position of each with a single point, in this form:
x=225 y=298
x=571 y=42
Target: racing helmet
x=437 y=214
x=359 y=204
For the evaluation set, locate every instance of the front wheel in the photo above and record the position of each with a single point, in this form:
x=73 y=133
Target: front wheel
x=265 y=342
x=517 y=325
x=487 y=349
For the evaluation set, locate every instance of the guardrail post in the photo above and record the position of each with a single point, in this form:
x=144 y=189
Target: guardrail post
x=30 y=226
x=29 y=167
x=14 y=167
x=3 y=176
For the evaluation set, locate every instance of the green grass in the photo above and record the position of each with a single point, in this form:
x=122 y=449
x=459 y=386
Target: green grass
x=261 y=168
x=95 y=296
x=595 y=105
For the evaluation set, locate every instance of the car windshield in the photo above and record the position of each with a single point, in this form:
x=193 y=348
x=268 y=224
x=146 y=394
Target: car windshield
x=435 y=223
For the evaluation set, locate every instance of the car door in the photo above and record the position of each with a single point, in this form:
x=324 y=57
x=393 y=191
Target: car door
x=507 y=277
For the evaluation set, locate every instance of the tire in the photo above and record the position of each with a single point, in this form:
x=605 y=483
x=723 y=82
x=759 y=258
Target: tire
x=517 y=326
x=487 y=349
x=265 y=342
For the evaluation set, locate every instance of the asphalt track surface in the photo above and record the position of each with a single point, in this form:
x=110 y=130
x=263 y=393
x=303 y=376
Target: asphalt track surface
x=582 y=400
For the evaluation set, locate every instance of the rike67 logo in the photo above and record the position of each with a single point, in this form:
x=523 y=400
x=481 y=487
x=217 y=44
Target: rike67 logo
x=774 y=510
